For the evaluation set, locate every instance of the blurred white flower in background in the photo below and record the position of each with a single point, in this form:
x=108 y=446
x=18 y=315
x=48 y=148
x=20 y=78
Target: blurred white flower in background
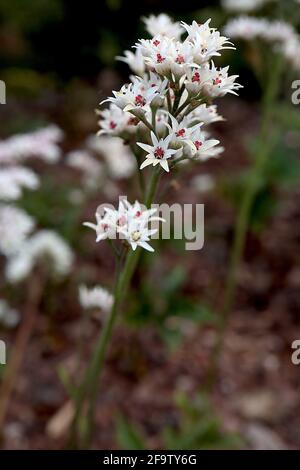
x=46 y=246
x=15 y=226
x=9 y=317
x=244 y=5
x=203 y=183
x=42 y=144
x=119 y=158
x=91 y=168
x=281 y=35
x=96 y=297
x=14 y=179
x=163 y=25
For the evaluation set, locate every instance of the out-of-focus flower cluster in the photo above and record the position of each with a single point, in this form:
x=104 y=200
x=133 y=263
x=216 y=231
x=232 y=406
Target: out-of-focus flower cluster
x=248 y=5
x=279 y=34
x=18 y=243
x=44 y=245
x=95 y=298
x=168 y=103
x=129 y=222
x=244 y=5
x=21 y=247
x=17 y=150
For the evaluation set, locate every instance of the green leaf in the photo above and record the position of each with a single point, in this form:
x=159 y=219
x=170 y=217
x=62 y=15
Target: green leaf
x=128 y=437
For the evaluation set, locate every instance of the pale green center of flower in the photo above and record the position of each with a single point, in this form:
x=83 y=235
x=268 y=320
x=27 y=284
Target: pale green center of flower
x=136 y=236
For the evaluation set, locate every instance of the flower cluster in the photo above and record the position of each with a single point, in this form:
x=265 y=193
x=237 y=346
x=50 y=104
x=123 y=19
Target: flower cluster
x=244 y=5
x=42 y=144
x=280 y=34
x=97 y=297
x=129 y=222
x=168 y=103
x=44 y=245
x=17 y=244
x=15 y=226
x=9 y=317
x=14 y=151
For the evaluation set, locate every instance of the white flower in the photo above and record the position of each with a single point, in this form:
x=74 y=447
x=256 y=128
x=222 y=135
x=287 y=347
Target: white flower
x=203 y=183
x=14 y=179
x=9 y=317
x=135 y=60
x=97 y=297
x=158 y=153
x=206 y=41
x=218 y=83
x=15 y=226
x=113 y=121
x=181 y=132
x=206 y=114
x=163 y=25
x=182 y=56
x=243 y=5
x=204 y=148
x=194 y=80
x=137 y=234
x=136 y=230
x=135 y=96
x=91 y=168
x=130 y=222
x=42 y=144
x=119 y=158
x=105 y=226
x=44 y=245
x=158 y=53
x=281 y=35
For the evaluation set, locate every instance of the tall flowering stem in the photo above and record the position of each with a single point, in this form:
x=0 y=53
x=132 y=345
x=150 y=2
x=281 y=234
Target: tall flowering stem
x=89 y=388
x=248 y=198
x=163 y=112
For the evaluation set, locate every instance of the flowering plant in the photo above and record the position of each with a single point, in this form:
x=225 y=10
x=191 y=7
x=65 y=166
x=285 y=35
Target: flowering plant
x=163 y=114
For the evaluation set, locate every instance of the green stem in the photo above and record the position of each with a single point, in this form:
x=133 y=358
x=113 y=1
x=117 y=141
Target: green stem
x=89 y=388
x=177 y=99
x=182 y=107
x=96 y=367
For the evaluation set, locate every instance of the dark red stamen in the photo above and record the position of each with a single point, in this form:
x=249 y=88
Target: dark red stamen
x=179 y=59
x=159 y=152
x=159 y=58
x=217 y=81
x=180 y=133
x=196 y=77
x=139 y=100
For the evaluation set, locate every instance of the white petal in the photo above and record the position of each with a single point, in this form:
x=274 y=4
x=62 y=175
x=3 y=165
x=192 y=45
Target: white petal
x=164 y=165
x=147 y=162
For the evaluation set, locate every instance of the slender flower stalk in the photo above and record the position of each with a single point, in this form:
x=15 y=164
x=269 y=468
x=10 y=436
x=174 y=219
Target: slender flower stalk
x=89 y=387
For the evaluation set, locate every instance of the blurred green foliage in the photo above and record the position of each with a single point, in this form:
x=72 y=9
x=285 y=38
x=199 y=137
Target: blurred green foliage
x=28 y=15
x=198 y=428
x=59 y=215
x=170 y=311
x=281 y=172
